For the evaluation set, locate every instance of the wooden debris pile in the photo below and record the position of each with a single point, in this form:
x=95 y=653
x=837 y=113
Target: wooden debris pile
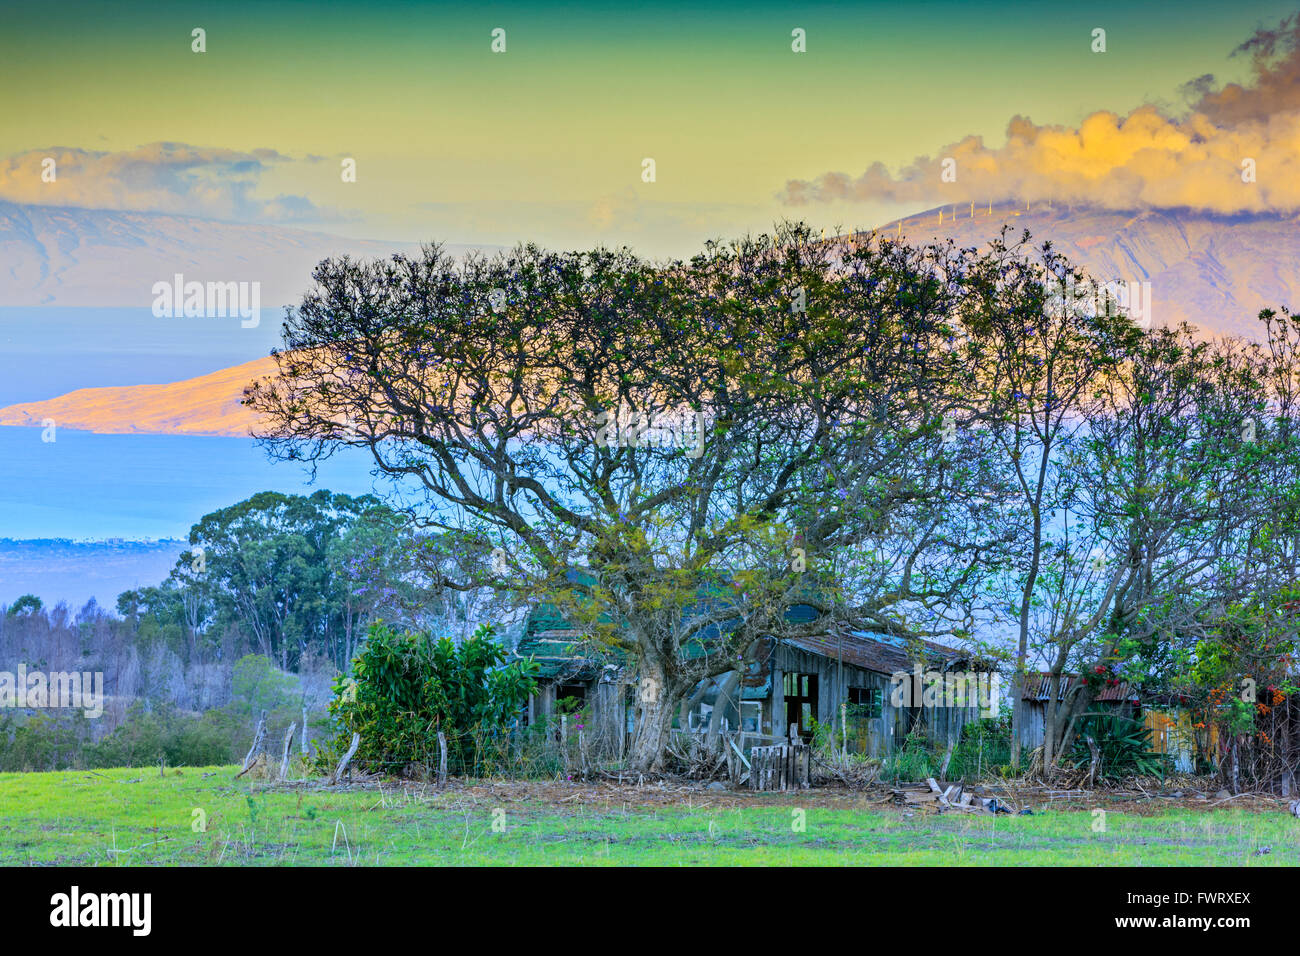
x=939 y=798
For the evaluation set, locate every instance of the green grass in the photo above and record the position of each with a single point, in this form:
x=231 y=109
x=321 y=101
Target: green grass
x=134 y=817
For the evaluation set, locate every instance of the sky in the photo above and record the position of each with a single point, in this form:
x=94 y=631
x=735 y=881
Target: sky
x=546 y=140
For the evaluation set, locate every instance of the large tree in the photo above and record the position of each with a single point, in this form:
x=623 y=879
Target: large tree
x=1041 y=345
x=1158 y=531
x=274 y=566
x=705 y=439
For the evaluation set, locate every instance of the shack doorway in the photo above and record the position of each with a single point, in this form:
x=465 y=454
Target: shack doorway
x=800 y=704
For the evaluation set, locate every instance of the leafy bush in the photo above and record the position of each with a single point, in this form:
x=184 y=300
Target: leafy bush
x=408 y=686
x=916 y=759
x=1125 y=746
x=46 y=742
x=40 y=742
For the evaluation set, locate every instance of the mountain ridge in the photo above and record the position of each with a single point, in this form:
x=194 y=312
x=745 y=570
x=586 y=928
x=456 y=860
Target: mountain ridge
x=1214 y=272
x=70 y=256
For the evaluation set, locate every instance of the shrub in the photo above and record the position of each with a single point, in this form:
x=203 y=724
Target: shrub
x=406 y=687
x=1125 y=746
x=916 y=759
x=164 y=733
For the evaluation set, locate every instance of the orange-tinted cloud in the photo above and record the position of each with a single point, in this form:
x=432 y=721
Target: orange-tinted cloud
x=1146 y=158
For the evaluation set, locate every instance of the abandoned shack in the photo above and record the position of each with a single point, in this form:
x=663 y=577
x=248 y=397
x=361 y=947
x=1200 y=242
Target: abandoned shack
x=884 y=686
x=1118 y=699
x=575 y=675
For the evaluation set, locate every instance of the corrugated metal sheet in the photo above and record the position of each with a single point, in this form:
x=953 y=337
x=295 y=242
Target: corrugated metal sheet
x=1038 y=685
x=881 y=653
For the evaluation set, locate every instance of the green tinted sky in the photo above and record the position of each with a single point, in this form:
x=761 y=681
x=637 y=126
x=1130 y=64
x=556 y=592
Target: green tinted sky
x=546 y=140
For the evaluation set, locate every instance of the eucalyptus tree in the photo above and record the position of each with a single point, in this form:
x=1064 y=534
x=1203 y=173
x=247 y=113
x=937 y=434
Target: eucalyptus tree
x=267 y=565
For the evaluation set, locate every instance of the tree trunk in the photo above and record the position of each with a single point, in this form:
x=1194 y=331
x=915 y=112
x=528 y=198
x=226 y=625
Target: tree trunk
x=1026 y=603
x=1017 y=715
x=1050 y=707
x=1080 y=702
x=656 y=703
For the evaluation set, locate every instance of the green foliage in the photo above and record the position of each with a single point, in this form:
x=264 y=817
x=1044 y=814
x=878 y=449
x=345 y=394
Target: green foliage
x=165 y=733
x=916 y=759
x=1125 y=746
x=983 y=750
x=291 y=572
x=406 y=687
x=1241 y=670
x=258 y=685
x=40 y=742
x=158 y=615
x=27 y=604
x=984 y=747
x=43 y=742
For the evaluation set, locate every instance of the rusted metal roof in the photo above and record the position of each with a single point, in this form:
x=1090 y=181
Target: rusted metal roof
x=1037 y=687
x=882 y=653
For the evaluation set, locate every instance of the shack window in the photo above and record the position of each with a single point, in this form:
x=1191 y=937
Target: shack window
x=868 y=702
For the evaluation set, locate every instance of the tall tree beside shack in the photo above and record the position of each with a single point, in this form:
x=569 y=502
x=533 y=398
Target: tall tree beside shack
x=770 y=406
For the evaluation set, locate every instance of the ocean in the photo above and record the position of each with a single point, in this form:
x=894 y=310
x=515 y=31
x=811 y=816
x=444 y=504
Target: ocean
x=83 y=486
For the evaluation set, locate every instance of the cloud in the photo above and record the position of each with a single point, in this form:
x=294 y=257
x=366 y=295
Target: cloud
x=1145 y=159
x=158 y=177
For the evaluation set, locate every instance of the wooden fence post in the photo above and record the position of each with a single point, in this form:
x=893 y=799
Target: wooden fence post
x=844 y=729
x=442 y=759
x=564 y=739
x=259 y=739
x=288 y=742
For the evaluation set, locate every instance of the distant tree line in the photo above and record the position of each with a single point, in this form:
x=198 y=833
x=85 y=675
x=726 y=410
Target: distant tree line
x=276 y=591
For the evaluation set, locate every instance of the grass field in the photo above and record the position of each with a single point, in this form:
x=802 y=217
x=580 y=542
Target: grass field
x=204 y=816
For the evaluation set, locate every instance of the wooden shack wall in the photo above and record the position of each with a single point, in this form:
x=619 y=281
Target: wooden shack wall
x=542 y=704
x=1034 y=715
x=608 y=702
x=606 y=708
x=887 y=732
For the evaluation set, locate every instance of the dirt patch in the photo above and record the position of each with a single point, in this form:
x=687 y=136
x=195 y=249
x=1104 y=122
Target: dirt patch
x=693 y=795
